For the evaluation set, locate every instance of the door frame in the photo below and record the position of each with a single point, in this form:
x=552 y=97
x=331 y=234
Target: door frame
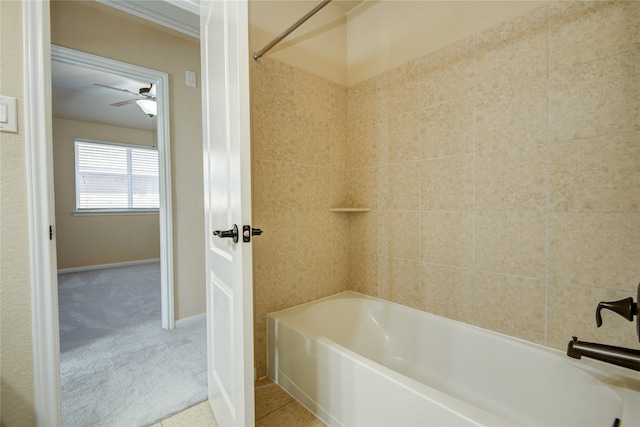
x=41 y=211
x=161 y=80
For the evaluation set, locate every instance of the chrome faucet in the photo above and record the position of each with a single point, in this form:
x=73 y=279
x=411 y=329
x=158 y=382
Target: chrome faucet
x=625 y=357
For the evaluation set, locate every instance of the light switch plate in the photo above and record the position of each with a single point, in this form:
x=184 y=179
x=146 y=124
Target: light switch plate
x=4 y=113
x=191 y=78
x=10 y=105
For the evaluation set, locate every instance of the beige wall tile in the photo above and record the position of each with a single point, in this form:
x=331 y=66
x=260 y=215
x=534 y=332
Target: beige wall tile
x=513 y=179
x=274 y=289
x=312 y=236
x=313 y=186
x=313 y=142
x=510 y=305
x=361 y=102
x=446 y=184
x=363 y=273
x=273 y=135
x=260 y=347
x=399 y=186
x=362 y=144
x=596 y=174
x=596 y=98
x=448 y=73
x=447 y=238
x=513 y=50
x=511 y=243
x=399 y=138
x=571 y=312
x=313 y=96
x=273 y=86
x=340 y=266
x=338 y=105
x=314 y=278
x=446 y=291
x=274 y=186
x=399 y=235
x=447 y=129
x=581 y=32
x=400 y=279
x=340 y=188
x=363 y=232
x=597 y=249
x=339 y=232
x=363 y=191
x=274 y=246
x=383 y=278
x=398 y=90
x=512 y=115
x=339 y=148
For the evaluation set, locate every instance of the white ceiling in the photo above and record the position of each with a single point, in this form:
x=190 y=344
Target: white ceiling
x=76 y=97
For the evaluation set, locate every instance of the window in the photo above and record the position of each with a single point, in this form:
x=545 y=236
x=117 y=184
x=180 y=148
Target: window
x=113 y=177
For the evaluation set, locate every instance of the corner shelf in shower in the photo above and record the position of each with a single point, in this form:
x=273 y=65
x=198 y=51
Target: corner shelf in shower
x=349 y=209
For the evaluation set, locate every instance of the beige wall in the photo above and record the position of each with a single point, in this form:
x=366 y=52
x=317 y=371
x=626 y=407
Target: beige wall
x=97 y=239
x=101 y=30
x=383 y=34
x=16 y=360
x=501 y=171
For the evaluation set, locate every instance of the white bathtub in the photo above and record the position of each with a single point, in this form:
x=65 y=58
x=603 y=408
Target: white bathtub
x=359 y=361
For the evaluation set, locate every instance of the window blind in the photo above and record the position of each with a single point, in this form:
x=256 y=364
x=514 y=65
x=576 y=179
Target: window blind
x=112 y=176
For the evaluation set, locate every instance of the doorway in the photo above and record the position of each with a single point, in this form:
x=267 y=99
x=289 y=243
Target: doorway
x=112 y=314
x=79 y=69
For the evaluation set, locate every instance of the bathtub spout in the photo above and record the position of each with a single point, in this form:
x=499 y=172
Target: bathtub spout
x=625 y=357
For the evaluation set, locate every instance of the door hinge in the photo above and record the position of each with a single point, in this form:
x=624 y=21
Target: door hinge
x=51 y=232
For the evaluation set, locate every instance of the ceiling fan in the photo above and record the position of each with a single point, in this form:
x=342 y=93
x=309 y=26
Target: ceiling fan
x=146 y=98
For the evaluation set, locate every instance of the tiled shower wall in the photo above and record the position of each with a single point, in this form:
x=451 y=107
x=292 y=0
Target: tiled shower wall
x=503 y=174
x=299 y=167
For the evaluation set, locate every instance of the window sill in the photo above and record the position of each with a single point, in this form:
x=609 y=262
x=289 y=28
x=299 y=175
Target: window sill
x=93 y=212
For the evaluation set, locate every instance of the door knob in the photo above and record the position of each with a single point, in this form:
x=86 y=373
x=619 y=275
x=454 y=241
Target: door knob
x=247 y=232
x=231 y=234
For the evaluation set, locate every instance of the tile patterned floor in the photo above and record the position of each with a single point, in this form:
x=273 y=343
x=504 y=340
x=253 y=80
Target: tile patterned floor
x=274 y=408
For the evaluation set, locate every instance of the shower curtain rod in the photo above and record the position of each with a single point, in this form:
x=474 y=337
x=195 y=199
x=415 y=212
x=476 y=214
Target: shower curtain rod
x=257 y=55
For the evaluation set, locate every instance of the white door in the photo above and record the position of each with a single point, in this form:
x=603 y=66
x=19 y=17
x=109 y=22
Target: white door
x=227 y=188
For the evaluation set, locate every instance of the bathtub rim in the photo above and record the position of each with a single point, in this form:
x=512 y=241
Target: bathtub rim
x=590 y=365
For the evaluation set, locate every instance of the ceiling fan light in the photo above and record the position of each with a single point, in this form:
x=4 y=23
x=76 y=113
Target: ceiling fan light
x=149 y=107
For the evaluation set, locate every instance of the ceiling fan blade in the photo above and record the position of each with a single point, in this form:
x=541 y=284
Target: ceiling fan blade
x=121 y=103
x=120 y=90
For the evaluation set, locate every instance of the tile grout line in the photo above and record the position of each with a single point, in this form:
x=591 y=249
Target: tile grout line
x=546 y=246
x=276 y=409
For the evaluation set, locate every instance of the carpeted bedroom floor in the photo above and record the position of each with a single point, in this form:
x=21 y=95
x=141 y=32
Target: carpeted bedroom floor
x=118 y=366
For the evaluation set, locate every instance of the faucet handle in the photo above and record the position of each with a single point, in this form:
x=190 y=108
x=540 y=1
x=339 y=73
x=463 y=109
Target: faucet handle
x=625 y=308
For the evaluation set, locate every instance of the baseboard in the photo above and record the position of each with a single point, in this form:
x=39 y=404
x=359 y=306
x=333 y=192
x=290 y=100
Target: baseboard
x=198 y=318
x=113 y=265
